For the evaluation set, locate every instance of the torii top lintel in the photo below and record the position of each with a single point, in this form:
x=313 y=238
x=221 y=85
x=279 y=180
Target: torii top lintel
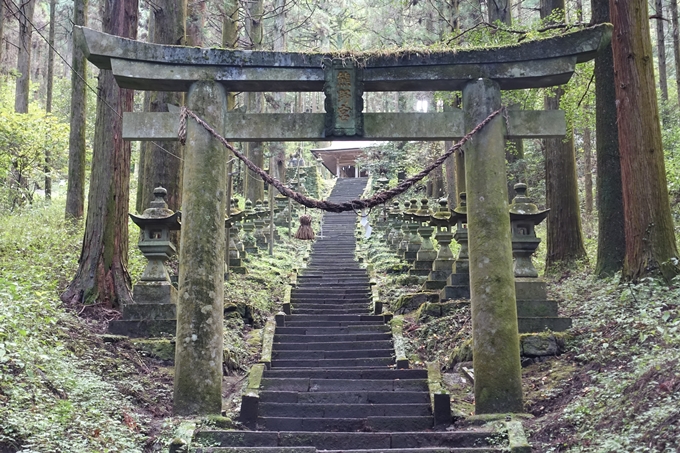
x=531 y=64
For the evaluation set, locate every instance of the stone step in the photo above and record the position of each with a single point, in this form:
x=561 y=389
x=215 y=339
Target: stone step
x=331 y=280
x=333 y=346
x=337 y=304
x=298 y=310
x=345 y=424
x=358 y=373
x=343 y=441
x=333 y=363
x=318 y=355
x=253 y=450
x=362 y=328
x=555 y=324
x=319 y=293
x=344 y=337
x=330 y=300
x=310 y=291
x=355 y=397
x=301 y=384
x=334 y=284
x=335 y=318
x=329 y=323
x=343 y=410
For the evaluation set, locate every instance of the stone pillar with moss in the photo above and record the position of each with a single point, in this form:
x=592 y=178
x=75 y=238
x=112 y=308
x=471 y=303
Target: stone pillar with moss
x=199 y=347
x=496 y=356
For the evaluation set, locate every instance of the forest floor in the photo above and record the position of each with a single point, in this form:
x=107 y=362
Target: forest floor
x=67 y=386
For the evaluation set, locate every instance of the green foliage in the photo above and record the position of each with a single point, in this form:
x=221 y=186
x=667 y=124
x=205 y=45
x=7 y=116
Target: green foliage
x=25 y=138
x=55 y=397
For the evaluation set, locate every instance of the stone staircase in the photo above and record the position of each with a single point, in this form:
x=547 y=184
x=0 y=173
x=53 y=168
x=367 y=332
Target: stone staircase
x=333 y=385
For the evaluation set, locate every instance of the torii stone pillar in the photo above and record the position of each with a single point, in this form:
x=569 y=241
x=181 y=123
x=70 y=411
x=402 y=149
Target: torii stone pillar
x=496 y=356
x=199 y=341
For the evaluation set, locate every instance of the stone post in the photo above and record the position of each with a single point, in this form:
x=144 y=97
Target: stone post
x=496 y=357
x=198 y=355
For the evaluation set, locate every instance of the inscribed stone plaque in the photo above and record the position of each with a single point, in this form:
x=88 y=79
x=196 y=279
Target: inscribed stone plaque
x=344 y=103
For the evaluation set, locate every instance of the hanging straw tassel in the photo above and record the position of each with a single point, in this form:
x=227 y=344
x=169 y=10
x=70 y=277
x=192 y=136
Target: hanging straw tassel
x=305 y=231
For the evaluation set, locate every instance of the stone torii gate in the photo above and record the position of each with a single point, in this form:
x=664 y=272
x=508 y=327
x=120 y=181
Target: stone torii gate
x=208 y=74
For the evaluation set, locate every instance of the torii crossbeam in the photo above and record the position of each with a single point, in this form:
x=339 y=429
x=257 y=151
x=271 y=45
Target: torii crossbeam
x=481 y=74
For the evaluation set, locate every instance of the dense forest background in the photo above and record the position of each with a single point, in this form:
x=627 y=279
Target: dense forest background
x=63 y=274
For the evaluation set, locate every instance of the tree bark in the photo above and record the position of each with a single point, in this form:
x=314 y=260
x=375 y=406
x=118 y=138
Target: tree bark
x=75 y=192
x=195 y=17
x=48 y=97
x=588 y=171
x=564 y=235
x=676 y=44
x=2 y=35
x=661 y=50
x=24 y=15
x=650 y=238
x=162 y=163
x=278 y=149
x=610 y=238
x=102 y=269
x=253 y=185
x=499 y=10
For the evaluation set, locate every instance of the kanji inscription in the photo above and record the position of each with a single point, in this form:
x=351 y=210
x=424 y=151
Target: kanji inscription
x=344 y=102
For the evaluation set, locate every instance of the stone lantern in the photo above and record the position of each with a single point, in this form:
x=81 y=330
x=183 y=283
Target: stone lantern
x=153 y=311
x=461 y=236
x=234 y=258
x=156 y=224
x=426 y=253
x=443 y=264
x=458 y=283
x=395 y=235
x=413 y=240
x=249 y=241
x=405 y=235
x=524 y=216
x=281 y=218
x=260 y=214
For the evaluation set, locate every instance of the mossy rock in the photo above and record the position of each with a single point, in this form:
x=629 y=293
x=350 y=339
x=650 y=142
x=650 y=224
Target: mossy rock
x=542 y=344
x=238 y=309
x=163 y=349
x=411 y=302
x=408 y=280
x=461 y=353
x=428 y=310
x=398 y=269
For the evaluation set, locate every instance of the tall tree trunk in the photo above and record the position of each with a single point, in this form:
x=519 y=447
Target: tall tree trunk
x=75 y=192
x=102 y=269
x=195 y=17
x=579 y=11
x=499 y=10
x=676 y=44
x=48 y=98
x=611 y=239
x=162 y=162
x=253 y=185
x=564 y=236
x=650 y=238
x=278 y=149
x=588 y=171
x=2 y=35
x=24 y=15
x=661 y=50
x=230 y=24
